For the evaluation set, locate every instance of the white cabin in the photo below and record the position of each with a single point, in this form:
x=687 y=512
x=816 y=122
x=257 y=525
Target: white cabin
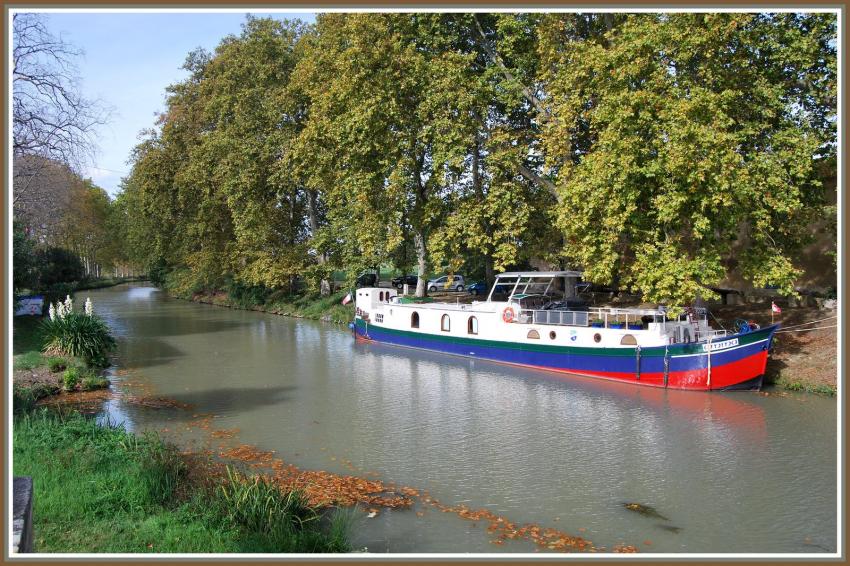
x=534 y=308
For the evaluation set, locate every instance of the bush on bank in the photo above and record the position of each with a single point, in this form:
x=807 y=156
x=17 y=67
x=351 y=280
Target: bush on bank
x=102 y=489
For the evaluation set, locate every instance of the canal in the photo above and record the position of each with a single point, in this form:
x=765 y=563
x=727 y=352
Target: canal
x=726 y=472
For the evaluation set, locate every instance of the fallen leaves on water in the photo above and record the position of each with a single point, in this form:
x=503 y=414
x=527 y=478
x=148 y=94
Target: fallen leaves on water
x=625 y=549
x=225 y=433
x=325 y=489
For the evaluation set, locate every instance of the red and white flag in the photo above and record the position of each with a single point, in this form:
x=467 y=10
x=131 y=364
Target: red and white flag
x=775 y=308
x=347 y=299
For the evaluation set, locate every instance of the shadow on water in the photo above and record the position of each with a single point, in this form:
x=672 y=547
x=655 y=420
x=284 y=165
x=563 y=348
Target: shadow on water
x=145 y=326
x=149 y=352
x=232 y=399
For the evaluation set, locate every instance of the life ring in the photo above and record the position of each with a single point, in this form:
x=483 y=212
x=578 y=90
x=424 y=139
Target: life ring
x=508 y=314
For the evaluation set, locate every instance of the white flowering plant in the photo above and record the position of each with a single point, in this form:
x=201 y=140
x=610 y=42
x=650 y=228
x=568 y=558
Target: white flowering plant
x=79 y=334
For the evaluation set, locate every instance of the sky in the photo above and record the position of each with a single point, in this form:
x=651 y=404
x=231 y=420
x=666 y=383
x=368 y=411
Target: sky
x=129 y=60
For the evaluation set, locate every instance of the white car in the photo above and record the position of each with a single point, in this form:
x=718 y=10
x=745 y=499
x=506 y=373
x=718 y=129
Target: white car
x=444 y=283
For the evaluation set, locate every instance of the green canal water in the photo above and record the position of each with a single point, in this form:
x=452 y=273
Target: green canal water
x=733 y=472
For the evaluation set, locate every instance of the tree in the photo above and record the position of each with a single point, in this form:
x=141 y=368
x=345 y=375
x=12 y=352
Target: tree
x=84 y=228
x=24 y=261
x=58 y=265
x=685 y=145
x=389 y=123
x=50 y=118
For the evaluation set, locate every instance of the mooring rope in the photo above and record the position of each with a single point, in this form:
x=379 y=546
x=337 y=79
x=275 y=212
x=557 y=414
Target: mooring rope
x=807 y=329
x=810 y=322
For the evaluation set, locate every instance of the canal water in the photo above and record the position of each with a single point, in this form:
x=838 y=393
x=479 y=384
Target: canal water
x=733 y=472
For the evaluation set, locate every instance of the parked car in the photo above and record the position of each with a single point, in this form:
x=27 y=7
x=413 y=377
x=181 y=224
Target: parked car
x=366 y=280
x=477 y=288
x=444 y=283
x=400 y=282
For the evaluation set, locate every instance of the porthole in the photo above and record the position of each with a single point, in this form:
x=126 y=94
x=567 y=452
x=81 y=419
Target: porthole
x=552 y=335
x=597 y=337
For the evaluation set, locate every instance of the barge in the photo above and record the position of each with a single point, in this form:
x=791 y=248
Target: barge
x=532 y=319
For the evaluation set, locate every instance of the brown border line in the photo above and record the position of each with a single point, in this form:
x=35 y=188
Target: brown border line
x=433 y=4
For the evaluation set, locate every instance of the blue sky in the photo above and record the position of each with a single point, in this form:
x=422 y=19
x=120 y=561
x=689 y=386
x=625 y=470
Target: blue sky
x=129 y=60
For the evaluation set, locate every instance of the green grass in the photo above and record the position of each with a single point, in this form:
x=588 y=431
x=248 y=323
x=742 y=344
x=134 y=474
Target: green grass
x=29 y=360
x=101 y=489
x=314 y=306
x=26 y=334
x=791 y=384
x=105 y=282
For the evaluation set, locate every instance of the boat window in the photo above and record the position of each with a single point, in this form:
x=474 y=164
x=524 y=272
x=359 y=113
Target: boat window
x=445 y=323
x=414 y=320
x=381 y=296
x=552 y=335
x=597 y=337
x=534 y=334
x=472 y=325
x=628 y=340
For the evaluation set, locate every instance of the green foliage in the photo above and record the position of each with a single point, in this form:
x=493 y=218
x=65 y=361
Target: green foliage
x=28 y=360
x=100 y=489
x=697 y=146
x=24 y=259
x=256 y=503
x=78 y=335
x=70 y=379
x=57 y=364
x=91 y=382
x=664 y=151
x=26 y=334
x=58 y=265
x=24 y=398
x=247 y=296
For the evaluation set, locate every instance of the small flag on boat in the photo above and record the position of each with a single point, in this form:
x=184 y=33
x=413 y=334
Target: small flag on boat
x=347 y=299
x=775 y=308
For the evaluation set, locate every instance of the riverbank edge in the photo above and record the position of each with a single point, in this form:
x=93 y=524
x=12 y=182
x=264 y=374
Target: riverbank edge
x=327 y=309
x=312 y=307
x=146 y=496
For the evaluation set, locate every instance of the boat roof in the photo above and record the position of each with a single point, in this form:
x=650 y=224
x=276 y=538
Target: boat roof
x=541 y=274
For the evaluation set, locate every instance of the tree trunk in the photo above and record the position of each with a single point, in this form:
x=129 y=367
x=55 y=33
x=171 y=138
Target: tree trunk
x=325 y=287
x=489 y=271
x=419 y=245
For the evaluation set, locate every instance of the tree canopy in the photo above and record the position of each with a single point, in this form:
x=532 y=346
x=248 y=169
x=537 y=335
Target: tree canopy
x=660 y=151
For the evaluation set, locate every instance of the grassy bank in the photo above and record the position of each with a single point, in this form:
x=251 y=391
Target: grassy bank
x=101 y=489
x=312 y=306
x=105 y=282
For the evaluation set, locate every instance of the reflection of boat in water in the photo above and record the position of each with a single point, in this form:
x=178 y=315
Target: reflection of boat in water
x=743 y=416
x=537 y=325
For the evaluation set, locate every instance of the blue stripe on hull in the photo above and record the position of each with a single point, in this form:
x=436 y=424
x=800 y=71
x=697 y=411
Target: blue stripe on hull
x=622 y=361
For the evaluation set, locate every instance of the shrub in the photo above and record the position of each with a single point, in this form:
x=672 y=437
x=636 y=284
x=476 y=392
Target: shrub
x=91 y=382
x=247 y=296
x=70 y=379
x=58 y=292
x=78 y=335
x=24 y=398
x=57 y=265
x=57 y=364
x=260 y=506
